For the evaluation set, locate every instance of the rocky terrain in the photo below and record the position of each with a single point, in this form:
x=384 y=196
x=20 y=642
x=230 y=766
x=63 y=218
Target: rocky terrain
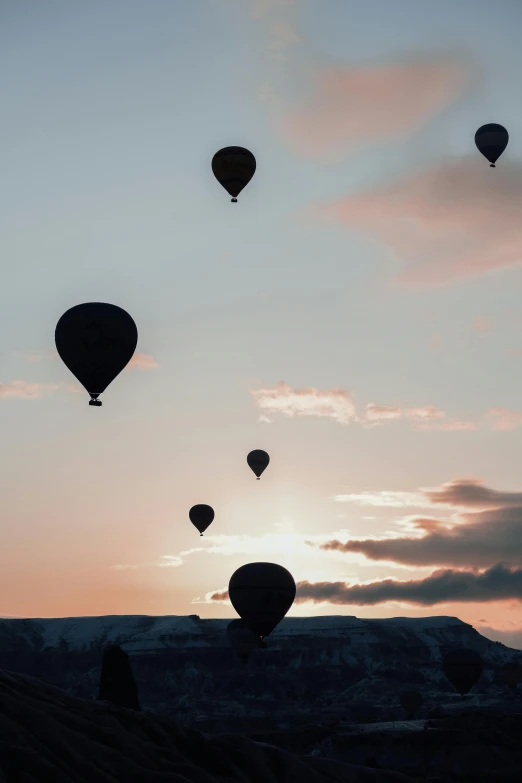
x=318 y=670
x=47 y=735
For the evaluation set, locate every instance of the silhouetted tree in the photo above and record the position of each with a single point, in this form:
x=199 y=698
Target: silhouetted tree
x=117 y=683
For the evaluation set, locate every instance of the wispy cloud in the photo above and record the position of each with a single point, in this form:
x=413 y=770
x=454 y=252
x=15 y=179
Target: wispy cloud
x=384 y=499
x=338 y=404
x=142 y=361
x=348 y=107
x=471 y=493
x=335 y=404
x=456 y=220
x=24 y=390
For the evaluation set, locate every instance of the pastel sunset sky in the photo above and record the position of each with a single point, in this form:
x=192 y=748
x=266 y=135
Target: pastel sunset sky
x=357 y=314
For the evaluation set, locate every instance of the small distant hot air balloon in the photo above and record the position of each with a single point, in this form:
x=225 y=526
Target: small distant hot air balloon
x=233 y=168
x=258 y=461
x=463 y=668
x=491 y=141
x=261 y=594
x=201 y=517
x=96 y=341
x=242 y=638
x=410 y=702
x=511 y=674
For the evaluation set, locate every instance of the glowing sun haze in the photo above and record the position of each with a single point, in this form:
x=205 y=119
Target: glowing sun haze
x=356 y=314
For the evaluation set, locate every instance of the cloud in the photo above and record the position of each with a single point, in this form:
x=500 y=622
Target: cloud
x=338 y=404
x=471 y=493
x=24 y=390
x=504 y=419
x=335 y=404
x=455 y=220
x=167 y=561
x=384 y=499
x=478 y=540
x=481 y=324
x=378 y=413
x=142 y=361
x=351 y=106
x=496 y=584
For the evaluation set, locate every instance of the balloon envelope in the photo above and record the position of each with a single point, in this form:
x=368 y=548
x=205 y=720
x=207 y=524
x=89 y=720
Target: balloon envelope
x=491 y=141
x=261 y=594
x=233 y=168
x=410 y=701
x=96 y=341
x=242 y=638
x=201 y=516
x=258 y=461
x=463 y=668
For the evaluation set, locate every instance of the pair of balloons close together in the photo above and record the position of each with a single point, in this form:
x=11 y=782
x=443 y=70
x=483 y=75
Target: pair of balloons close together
x=234 y=167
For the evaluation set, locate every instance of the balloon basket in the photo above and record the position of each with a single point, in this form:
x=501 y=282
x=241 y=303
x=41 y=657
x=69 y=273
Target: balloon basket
x=233 y=200
x=492 y=166
x=96 y=403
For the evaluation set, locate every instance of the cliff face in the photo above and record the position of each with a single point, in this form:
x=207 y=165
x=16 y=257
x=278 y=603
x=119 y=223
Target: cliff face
x=313 y=670
x=48 y=735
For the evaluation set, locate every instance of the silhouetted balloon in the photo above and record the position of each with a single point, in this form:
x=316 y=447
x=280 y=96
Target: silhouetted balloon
x=410 y=702
x=463 y=668
x=258 y=460
x=491 y=141
x=117 y=683
x=201 y=517
x=233 y=168
x=261 y=594
x=242 y=638
x=511 y=674
x=96 y=341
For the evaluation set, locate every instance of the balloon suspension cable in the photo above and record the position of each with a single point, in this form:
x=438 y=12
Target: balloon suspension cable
x=233 y=200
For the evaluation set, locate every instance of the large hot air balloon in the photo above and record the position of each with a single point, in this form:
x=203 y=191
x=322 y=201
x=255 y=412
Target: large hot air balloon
x=491 y=141
x=201 y=517
x=463 y=668
x=261 y=594
x=410 y=702
x=96 y=341
x=511 y=674
x=233 y=168
x=242 y=638
x=257 y=461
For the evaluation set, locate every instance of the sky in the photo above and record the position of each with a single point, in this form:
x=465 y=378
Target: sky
x=356 y=314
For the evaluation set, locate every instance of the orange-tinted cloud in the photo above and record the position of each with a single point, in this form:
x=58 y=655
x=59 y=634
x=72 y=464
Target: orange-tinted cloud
x=24 y=390
x=456 y=220
x=472 y=493
x=142 y=361
x=495 y=584
x=334 y=404
x=351 y=106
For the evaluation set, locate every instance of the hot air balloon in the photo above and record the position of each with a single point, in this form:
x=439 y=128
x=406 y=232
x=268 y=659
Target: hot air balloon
x=491 y=141
x=233 y=168
x=201 y=517
x=511 y=674
x=261 y=594
x=463 y=668
x=410 y=702
x=242 y=639
x=257 y=461
x=96 y=341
